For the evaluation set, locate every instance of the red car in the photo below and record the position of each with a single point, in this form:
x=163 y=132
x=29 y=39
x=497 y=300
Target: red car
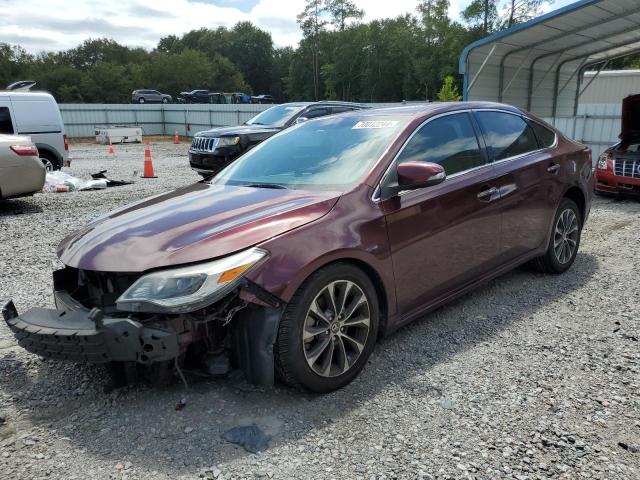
x=293 y=260
x=618 y=168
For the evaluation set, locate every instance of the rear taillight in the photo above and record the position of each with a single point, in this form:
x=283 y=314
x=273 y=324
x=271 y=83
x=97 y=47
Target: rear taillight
x=66 y=143
x=25 y=150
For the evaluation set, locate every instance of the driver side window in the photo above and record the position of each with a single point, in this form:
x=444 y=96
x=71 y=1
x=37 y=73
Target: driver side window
x=449 y=141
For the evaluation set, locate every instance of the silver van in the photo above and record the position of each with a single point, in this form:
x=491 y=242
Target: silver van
x=37 y=115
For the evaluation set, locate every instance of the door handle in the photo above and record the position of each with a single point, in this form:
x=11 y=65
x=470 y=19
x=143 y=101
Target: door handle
x=486 y=194
x=554 y=168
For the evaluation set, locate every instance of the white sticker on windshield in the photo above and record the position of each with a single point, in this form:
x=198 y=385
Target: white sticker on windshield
x=375 y=124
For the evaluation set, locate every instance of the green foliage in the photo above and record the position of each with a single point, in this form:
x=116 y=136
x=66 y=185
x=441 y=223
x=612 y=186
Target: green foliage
x=341 y=11
x=449 y=91
x=339 y=57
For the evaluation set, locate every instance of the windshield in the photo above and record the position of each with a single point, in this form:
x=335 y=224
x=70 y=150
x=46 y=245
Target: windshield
x=276 y=116
x=329 y=153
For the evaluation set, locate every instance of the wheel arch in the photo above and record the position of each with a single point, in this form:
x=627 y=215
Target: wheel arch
x=575 y=193
x=47 y=149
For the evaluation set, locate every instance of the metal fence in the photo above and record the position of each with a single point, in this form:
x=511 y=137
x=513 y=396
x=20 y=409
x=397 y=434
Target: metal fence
x=596 y=125
x=81 y=119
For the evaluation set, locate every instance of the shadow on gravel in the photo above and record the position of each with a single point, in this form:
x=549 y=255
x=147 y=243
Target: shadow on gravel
x=18 y=207
x=141 y=425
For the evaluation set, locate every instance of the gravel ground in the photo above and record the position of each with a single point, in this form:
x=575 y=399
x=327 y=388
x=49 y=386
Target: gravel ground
x=531 y=376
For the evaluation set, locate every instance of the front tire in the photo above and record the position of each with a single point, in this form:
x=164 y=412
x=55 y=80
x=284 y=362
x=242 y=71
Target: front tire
x=141 y=100
x=328 y=330
x=565 y=239
x=165 y=100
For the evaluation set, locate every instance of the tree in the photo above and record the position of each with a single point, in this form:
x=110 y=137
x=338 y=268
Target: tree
x=519 y=11
x=449 y=91
x=312 y=21
x=251 y=50
x=341 y=11
x=483 y=14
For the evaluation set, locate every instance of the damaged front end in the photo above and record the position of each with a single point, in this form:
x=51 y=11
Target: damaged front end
x=159 y=321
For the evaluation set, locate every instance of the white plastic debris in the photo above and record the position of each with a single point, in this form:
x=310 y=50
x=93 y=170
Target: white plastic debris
x=59 y=181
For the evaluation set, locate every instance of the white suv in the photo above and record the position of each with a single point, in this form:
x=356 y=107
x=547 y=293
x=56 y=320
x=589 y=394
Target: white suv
x=36 y=114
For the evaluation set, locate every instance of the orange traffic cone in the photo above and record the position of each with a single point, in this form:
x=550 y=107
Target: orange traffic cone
x=176 y=138
x=112 y=152
x=148 y=163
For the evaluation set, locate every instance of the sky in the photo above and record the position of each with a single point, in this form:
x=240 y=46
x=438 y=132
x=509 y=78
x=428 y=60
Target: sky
x=53 y=25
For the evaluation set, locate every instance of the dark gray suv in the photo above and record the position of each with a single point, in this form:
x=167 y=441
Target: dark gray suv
x=150 y=96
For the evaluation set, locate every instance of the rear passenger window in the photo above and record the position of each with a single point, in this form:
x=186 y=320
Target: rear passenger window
x=317 y=112
x=449 y=141
x=546 y=137
x=6 y=126
x=507 y=135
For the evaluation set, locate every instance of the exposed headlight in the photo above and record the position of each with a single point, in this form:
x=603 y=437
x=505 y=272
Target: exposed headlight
x=187 y=289
x=602 y=161
x=228 y=141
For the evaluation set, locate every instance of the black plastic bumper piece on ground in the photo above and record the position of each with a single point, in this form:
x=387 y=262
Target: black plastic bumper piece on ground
x=84 y=336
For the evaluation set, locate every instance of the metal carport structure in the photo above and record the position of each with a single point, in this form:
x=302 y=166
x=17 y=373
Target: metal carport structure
x=539 y=65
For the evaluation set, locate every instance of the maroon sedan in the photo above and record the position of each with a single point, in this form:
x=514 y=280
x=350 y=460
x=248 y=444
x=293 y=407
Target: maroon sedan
x=292 y=261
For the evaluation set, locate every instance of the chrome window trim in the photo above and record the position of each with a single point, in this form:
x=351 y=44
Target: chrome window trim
x=376 y=193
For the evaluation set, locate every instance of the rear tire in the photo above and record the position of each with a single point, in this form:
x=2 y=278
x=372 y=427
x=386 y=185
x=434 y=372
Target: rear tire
x=141 y=100
x=165 y=100
x=49 y=161
x=565 y=240
x=323 y=344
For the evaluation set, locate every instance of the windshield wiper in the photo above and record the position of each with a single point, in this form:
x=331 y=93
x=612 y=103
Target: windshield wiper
x=276 y=186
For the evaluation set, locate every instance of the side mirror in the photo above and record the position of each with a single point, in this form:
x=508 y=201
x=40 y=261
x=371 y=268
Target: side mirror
x=301 y=120
x=414 y=175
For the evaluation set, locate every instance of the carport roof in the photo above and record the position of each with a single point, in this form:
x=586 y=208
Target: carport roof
x=539 y=65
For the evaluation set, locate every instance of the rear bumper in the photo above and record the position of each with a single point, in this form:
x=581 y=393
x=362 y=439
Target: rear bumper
x=607 y=182
x=80 y=335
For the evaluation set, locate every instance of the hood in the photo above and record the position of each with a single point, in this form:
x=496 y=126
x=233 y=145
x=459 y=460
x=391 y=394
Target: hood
x=237 y=130
x=191 y=224
x=630 y=127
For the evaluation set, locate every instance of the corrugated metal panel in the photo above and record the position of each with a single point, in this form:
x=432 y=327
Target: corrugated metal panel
x=81 y=119
x=596 y=125
x=538 y=65
x=611 y=87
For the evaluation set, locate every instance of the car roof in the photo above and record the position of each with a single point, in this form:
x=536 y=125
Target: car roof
x=18 y=94
x=418 y=110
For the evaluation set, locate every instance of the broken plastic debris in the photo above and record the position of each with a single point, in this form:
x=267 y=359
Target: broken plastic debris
x=251 y=438
x=181 y=404
x=58 y=182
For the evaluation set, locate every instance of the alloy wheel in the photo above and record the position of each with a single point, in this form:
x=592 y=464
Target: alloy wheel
x=565 y=238
x=336 y=328
x=48 y=164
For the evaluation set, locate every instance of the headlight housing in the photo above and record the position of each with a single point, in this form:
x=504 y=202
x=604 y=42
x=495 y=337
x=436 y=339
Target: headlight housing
x=603 y=161
x=190 y=288
x=228 y=141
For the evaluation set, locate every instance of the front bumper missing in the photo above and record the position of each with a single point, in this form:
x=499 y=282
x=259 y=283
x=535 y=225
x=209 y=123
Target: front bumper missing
x=87 y=336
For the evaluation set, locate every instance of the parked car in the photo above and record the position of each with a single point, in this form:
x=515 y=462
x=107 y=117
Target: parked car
x=214 y=149
x=263 y=99
x=21 y=171
x=218 y=98
x=37 y=115
x=150 y=96
x=194 y=96
x=618 y=168
x=298 y=256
